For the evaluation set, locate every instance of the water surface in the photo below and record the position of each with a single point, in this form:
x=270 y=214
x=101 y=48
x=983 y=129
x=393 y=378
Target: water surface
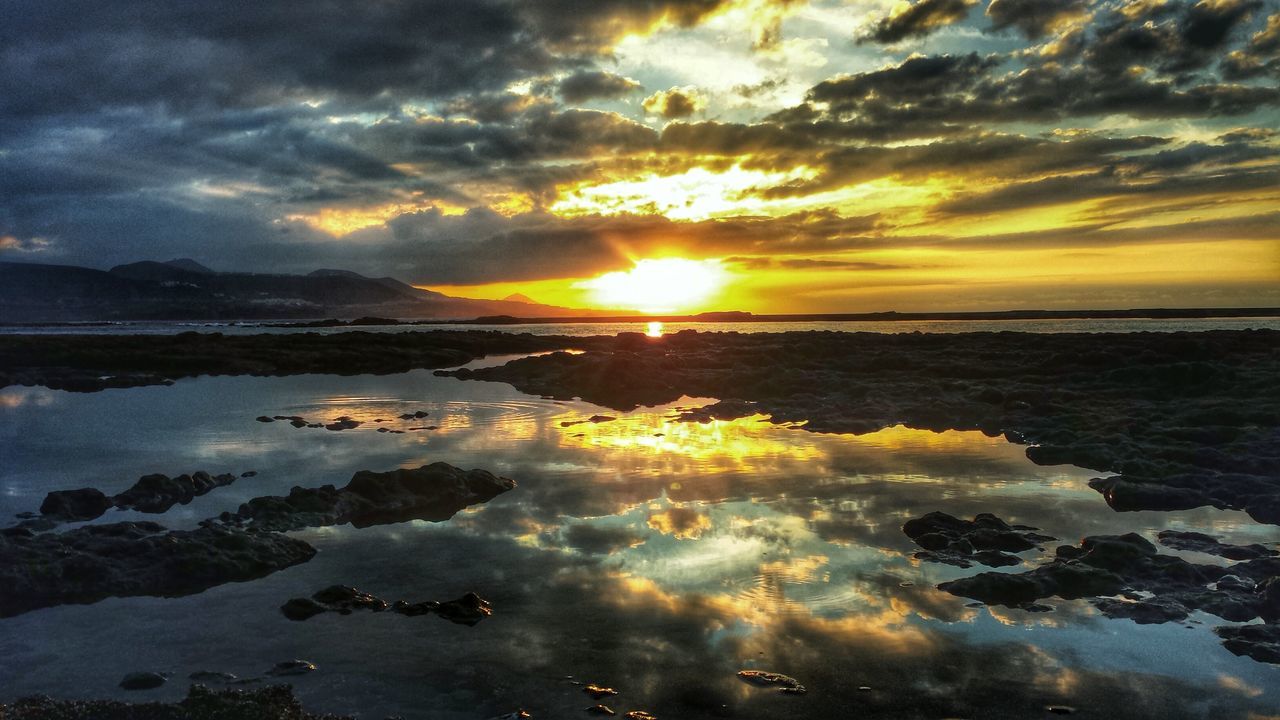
x=655 y=556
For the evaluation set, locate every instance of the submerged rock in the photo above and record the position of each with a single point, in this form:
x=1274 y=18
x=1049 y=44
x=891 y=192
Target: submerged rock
x=210 y=676
x=469 y=609
x=142 y=681
x=432 y=492
x=784 y=683
x=94 y=562
x=1200 y=542
x=986 y=539
x=292 y=667
x=157 y=493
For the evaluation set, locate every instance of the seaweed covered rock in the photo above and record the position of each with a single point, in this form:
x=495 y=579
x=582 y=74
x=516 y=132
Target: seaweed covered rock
x=94 y=562
x=432 y=492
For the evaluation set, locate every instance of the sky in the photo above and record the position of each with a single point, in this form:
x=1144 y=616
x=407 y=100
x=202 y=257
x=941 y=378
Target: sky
x=664 y=155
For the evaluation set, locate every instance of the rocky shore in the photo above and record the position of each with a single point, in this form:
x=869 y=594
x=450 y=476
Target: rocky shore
x=93 y=562
x=1183 y=420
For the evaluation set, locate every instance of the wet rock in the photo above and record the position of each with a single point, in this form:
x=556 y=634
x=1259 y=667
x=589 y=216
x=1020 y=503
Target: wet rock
x=1128 y=578
x=432 y=492
x=1260 y=642
x=142 y=681
x=784 y=683
x=468 y=610
x=517 y=715
x=158 y=493
x=601 y=710
x=1200 y=542
x=1059 y=709
x=249 y=474
x=723 y=410
x=986 y=539
x=94 y=562
x=72 y=505
x=639 y=715
x=414 y=415
x=265 y=419
x=292 y=667
x=598 y=691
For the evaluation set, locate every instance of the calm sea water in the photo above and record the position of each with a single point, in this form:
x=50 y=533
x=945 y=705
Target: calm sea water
x=654 y=556
x=580 y=329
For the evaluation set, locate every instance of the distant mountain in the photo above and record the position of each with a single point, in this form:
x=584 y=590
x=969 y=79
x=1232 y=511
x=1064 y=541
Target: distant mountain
x=520 y=298
x=186 y=290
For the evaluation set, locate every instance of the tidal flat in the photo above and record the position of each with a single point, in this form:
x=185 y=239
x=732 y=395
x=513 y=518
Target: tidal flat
x=976 y=525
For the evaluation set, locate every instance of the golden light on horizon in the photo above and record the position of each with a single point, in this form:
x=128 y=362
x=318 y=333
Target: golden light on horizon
x=659 y=285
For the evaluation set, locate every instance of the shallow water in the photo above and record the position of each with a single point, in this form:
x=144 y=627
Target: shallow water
x=655 y=556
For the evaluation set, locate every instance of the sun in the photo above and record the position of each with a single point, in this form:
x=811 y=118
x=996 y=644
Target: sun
x=658 y=285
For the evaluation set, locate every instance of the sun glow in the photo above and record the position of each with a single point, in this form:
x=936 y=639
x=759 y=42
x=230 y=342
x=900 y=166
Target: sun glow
x=659 y=286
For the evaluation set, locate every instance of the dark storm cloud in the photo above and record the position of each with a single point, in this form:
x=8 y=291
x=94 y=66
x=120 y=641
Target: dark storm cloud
x=1034 y=18
x=591 y=84
x=917 y=20
x=673 y=103
x=81 y=56
x=1174 y=38
x=930 y=95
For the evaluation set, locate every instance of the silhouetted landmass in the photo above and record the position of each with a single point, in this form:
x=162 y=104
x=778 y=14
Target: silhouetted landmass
x=95 y=362
x=891 y=316
x=186 y=290
x=275 y=702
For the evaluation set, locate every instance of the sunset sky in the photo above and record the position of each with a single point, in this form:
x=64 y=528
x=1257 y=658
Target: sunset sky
x=792 y=156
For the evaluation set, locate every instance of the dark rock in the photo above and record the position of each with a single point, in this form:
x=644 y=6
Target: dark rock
x=466 y=610
x=639 y=715
x=1260 y=642
x=342 y=423
x=986 y=539
x=469 y=609
x=265 y=419
x=158 y=493
x=142 y=681
x=302 y=609
x=432 y=492
x=1200 y=542
x=249 y=474
x=72 y=505
x=90 y=563
x=292 y=667
x=601 y=710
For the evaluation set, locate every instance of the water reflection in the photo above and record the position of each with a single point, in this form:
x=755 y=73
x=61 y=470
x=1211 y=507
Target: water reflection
x=653 y=555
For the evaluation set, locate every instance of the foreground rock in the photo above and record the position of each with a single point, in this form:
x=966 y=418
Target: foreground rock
x=154 y=493
x=94 y=562
x=267 y=703
x=986 y=539
x=469 y=609
x=432 y=492
x=1127 y=578
x=1182 y=419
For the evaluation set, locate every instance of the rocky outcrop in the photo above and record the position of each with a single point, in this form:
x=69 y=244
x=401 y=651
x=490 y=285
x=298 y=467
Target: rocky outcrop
x=985 y=539
x=1126 y=578
x=94 y=562
x=154 y=493
x=432 y=492
x=469 y=609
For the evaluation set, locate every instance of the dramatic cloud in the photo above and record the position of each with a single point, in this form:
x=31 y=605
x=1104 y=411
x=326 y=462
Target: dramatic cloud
x=918 y=19
x=674 y=103
x=587 y=85
x=470 y=142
